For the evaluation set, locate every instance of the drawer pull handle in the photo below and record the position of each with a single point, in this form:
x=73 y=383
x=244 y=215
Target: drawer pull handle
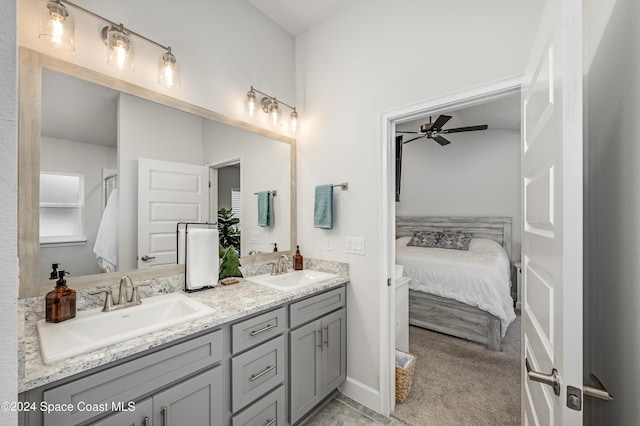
x=145 y=421
x=262 y=373
x=262 y=330
x=271 y=422
x=165 y=416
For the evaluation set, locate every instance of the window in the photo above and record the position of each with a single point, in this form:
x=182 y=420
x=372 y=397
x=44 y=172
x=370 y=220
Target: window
x=61 y=208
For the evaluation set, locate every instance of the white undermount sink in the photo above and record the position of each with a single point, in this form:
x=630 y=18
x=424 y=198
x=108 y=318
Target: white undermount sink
x=93 y=329
x=291 y=280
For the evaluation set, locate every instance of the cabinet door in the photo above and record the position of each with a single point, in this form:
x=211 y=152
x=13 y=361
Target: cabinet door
x=305 y=363
x=334 y=354
x=140 y=416
x=196 y=401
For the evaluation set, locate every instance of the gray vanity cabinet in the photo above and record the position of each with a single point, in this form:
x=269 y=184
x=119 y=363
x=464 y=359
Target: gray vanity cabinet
x=141 y=416
x=197 y=401
x=317 y=352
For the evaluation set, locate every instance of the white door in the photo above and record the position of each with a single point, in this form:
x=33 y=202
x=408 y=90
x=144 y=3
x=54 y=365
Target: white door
x=552 y=237
x=168 y=193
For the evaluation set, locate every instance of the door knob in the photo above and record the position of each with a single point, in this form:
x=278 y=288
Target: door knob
x=547 y=379
x=145 y=258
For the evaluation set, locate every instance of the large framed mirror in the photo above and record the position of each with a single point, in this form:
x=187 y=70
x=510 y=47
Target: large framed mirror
x=130 y=128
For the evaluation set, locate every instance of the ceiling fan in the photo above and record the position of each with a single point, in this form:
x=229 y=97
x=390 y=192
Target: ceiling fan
x=433 y=130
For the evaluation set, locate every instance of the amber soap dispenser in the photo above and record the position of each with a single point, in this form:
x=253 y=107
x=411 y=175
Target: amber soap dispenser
x=60 y=303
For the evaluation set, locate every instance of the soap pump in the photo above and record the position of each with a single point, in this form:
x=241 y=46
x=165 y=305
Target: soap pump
x=298 y=260
x=60 y=303
x=54 y=272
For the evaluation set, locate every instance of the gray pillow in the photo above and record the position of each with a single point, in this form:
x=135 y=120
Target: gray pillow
x=424 y=239
x=454 y=240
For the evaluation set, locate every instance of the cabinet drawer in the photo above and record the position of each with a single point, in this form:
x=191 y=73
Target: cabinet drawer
x=267 y=411
x=316 y=306
x=258 y=329
x=256 y=372
x=130 y=380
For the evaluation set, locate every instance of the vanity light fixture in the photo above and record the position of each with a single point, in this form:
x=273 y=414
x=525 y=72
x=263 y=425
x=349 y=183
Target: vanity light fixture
x=272 y=107
x=56 y=28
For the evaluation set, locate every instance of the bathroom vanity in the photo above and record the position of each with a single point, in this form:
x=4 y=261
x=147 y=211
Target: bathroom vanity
x=263 y=357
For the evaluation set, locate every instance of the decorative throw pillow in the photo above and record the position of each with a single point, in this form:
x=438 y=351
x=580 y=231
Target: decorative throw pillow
x=454 y=240
x=424 y=239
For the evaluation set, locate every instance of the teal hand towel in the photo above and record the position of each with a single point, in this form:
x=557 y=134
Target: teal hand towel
x=265 y=209
x=323 y=207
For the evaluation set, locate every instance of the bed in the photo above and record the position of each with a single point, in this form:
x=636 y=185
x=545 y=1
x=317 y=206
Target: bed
x=464 y=293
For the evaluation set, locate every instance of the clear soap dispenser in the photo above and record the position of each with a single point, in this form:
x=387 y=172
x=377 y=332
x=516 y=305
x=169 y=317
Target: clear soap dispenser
x=60 y=303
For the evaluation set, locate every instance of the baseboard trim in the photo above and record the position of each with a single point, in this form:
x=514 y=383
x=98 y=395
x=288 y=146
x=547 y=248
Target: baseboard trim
x=361 y=393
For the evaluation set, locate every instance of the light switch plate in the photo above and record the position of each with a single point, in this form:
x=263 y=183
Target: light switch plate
x=329 y=243
x=255 y=237
x=355 y=245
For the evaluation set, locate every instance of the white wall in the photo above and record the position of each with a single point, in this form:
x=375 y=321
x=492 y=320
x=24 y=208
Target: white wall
x=373 y=57
x=223 y=47
x=228 y=179
x=478 y=174
x=613 y=209
x=266 y=166
x=58 y=155
x=8 y=208
x=148 y=130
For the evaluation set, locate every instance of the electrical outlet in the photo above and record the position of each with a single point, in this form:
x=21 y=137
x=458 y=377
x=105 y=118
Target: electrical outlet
x=329 y=243
x=355 y=245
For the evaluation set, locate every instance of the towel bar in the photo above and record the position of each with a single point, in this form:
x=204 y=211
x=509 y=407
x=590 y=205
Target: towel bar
x=344 y=185
x=274 y=193
x=186 y=265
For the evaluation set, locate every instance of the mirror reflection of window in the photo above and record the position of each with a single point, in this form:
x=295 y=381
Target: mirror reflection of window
x=61 y=208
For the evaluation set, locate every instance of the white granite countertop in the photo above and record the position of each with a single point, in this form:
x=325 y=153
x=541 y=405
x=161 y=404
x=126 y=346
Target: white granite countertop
x=228 y=302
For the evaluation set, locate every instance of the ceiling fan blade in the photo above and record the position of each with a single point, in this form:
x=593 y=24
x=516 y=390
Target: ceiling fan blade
x=440 y=121
x=465 y=129
x=402 y=131
x=411 y=140
x=442 y=141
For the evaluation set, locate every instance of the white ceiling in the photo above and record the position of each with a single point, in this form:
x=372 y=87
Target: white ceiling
x=297 y=16
x=76 y=110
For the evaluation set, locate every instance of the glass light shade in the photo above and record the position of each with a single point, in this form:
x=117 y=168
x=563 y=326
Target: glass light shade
x=56 y=26
x=119 y=49
x=168 y=73
x=251 y=103
x=273 y=114
x=294 y=121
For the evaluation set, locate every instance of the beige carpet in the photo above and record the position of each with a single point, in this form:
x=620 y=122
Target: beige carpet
x=457 y=382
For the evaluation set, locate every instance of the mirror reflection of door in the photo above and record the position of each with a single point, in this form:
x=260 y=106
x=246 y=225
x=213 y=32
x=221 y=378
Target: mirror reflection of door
x=226 y=191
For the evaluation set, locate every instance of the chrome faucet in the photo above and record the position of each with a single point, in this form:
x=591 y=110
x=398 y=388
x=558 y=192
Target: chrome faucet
x=125 y=283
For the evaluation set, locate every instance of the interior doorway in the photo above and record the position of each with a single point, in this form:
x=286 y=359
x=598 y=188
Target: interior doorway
x=390 y=122
x=225 y=191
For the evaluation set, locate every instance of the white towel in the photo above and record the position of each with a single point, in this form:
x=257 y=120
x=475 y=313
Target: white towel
x=202 y=258
x=106 y=246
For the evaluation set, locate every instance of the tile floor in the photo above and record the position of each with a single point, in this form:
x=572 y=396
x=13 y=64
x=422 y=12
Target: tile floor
x=344 y=411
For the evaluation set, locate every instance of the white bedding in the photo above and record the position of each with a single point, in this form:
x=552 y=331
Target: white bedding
x=478 y=276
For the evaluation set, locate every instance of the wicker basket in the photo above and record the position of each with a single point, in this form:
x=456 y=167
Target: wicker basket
x=404 y=375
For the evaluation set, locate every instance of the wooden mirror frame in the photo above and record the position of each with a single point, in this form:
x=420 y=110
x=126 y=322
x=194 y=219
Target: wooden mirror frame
x=29 y=119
